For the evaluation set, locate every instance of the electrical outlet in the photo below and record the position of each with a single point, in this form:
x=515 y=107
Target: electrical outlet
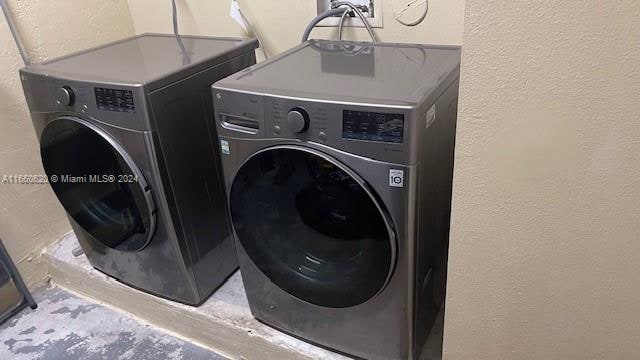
x=371 y=9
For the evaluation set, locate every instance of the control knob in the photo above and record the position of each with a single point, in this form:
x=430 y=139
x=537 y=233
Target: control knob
x=65 y=96
x=298 y=120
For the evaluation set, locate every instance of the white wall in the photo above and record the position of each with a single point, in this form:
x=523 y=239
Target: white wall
x=545 y=245
x=282 y=23
x=30 y=215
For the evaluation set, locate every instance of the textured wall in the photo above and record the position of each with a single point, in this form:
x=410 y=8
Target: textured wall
x=30 y=216
x=545 y=249
x=282 y=23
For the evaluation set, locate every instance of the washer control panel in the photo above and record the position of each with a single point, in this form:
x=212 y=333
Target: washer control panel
x=297 y=119
x=380 y=133
x=373 y=126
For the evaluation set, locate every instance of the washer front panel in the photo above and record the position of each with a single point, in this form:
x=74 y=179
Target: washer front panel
x=312 y=226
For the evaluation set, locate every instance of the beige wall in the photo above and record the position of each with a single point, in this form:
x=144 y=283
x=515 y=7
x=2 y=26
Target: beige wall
x=30 y=216
x=282 y=26
x=546 y=214
x=545 y=246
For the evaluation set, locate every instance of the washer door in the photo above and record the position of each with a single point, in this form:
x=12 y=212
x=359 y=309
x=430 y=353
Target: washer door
x=312 y=226
x=98 y=184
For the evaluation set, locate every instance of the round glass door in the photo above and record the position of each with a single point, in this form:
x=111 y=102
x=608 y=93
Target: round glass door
x=97 y=184
x=312 y=227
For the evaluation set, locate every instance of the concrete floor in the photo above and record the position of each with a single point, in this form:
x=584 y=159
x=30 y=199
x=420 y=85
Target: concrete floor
x=224 y=322
x=65 y=326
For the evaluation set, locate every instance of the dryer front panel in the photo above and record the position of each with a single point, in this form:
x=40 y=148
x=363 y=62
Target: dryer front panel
x=98 y=184
x=312 y=226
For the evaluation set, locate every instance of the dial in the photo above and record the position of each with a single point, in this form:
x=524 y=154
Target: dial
x=65 y=96
x=298 y=120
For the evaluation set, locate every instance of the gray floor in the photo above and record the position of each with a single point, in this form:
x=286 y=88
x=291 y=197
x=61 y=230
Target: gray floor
x=65 y=326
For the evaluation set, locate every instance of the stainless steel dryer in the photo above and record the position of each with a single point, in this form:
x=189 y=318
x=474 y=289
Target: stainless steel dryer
x=338 y=161
x=126 y=140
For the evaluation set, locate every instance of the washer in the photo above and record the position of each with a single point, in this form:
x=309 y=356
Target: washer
x=126 y=139
x=338 y=161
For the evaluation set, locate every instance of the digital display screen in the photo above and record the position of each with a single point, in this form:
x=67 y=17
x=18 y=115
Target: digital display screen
x=363 y=125
x=115 y=100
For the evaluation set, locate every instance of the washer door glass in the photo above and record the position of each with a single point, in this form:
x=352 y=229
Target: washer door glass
x=97 y=184
x=311 y=227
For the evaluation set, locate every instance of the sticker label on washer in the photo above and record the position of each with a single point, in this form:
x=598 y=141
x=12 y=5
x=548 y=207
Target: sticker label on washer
x=224 y=147
x=396 y=178
x=431 y=116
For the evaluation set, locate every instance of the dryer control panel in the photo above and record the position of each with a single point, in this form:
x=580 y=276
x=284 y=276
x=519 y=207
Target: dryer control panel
x=113 y=104
x=118 y=100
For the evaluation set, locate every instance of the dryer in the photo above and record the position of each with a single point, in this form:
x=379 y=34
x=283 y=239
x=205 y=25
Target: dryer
x=338 y=160
x=126 y=141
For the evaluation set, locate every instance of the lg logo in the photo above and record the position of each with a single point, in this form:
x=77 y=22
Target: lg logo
x=396 y=178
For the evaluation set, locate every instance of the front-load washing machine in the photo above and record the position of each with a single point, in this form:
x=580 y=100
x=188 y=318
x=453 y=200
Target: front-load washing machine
x=126 y=138
x=338 y=161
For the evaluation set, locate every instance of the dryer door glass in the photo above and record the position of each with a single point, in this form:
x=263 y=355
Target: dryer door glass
x=99 y=187
x=311 y=227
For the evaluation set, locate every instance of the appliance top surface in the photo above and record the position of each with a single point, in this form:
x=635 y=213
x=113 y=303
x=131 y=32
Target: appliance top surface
x=143 y=58
x=351 y=72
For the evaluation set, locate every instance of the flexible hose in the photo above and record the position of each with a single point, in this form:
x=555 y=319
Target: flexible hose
x=317 y=19
x=341 y=25
x=360 y=15
x=14 y=32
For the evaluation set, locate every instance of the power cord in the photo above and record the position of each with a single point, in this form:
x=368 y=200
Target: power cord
x=174 y=14
x=14 y=32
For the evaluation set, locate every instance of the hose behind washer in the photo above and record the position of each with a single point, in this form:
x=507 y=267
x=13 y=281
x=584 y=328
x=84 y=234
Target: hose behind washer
x=360 y=15
x=320 y=17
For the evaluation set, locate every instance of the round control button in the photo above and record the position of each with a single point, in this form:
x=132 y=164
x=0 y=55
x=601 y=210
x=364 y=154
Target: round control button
x=298 y=120
x=65 y=96
x=322 y=136
x=276 y=129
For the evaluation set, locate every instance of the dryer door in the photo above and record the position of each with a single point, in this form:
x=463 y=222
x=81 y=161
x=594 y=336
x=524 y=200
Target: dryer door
x=97 y=183
x=312 y=226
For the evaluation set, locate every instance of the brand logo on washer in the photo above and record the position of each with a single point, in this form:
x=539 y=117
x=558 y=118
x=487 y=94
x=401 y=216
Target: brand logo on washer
x=396 y=178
